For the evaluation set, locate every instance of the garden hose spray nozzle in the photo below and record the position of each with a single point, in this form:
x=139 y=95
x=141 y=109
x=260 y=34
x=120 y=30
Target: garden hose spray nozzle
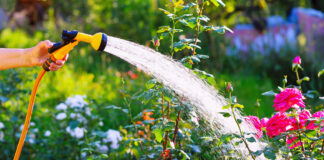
x=58 y=52
x=70 y=39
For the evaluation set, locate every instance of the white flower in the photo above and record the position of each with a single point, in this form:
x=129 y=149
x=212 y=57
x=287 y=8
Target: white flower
x=47 y=133
x=72 y=115
x=1 y=135
x=1 y=125
x=76 y=132
x=32 y=124
x=35 y=130
x=101 y=123
x=76 y=102
x=61 y=106
x=61 y=116
x=88 y=111
x=31 y=138
x=83 y=154
x=103 y=149
x=21 y=127
x=114 y=137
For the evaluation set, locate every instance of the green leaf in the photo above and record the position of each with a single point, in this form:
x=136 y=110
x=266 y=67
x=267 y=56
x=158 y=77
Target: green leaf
x=112 y=107
x=251 y=139
x=217 y=3
x=151 y=83
x=313 y=94
x=269 y=93
x=163 y=29
x=320 y=73
x=195 y=59
x=201 y=56
x=188 y=6
x=221 y=3
x=164 y=11
x=225 y=114
x=185 y=155
x=104 y=156
x=238 y=106
x=226 y=107
x=194 y=46
x=158 y=134
x=125 y=110
x=306 y=79
x=204 y=18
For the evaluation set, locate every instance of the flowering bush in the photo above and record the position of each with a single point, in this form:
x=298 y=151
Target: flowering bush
x=294 y=132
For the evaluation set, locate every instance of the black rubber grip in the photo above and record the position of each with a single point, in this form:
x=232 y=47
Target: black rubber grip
x=56 y=46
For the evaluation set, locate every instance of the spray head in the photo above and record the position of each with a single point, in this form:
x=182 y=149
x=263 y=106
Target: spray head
x=70 y=39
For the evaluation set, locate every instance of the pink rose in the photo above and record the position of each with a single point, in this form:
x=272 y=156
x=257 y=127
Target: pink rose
x=317 y=115
x=288 y=98
x=255 y=121
x=291 y=141
x=264 y=122
x=278 y=124
x=303 y=116
x=297 y=60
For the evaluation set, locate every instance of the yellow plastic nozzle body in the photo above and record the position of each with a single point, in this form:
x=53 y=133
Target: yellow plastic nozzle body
x=62 y=52
x=95 y=40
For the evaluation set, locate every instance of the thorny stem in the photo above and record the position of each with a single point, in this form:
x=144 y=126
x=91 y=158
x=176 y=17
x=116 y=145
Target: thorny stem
x=162 y=105
x=177 y=123
x=322 y=146
x=299 y=136
x=176 y=127
x=238 y=125
x=166 y=137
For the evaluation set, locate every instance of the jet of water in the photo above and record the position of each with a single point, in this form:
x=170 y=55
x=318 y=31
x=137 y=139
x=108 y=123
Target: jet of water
x=184 y=82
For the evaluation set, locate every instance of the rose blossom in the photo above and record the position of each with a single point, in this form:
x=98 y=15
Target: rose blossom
x=317 y=115
x=288 y=98
x=291 y=141
x=277 y=124
x=303 y=116
x=255 y=121
x=264 y=122
x=297 y=60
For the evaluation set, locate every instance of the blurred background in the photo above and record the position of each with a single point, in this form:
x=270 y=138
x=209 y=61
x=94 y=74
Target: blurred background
x=268 y=34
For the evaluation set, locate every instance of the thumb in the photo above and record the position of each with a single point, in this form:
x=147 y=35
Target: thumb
x=46 y=44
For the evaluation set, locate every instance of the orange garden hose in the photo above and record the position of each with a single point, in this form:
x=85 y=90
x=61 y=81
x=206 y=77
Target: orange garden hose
x=29 y=114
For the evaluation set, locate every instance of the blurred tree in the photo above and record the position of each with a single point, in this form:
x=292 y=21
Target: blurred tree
x=28 y=13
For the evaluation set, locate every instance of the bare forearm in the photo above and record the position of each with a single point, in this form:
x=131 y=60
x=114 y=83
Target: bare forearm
x=13 y=58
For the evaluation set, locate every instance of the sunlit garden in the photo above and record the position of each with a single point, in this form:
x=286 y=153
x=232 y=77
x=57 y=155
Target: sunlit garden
x=206 y=79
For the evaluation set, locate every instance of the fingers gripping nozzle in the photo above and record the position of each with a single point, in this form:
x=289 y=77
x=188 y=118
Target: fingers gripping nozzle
x=70 y=39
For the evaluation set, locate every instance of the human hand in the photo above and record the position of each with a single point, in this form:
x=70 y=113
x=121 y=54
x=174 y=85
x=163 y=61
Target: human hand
x=39 y=54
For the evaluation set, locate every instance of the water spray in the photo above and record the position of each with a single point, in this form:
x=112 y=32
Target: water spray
x=58 y=52
x=170 y=73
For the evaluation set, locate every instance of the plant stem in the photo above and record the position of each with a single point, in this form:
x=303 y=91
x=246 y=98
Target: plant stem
x=322 y=146
x=198 y=25
x=176 y=127
x=132 y=121
x=299 y=136
x=238 y=125
x=172 y=33
x=162 y=106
